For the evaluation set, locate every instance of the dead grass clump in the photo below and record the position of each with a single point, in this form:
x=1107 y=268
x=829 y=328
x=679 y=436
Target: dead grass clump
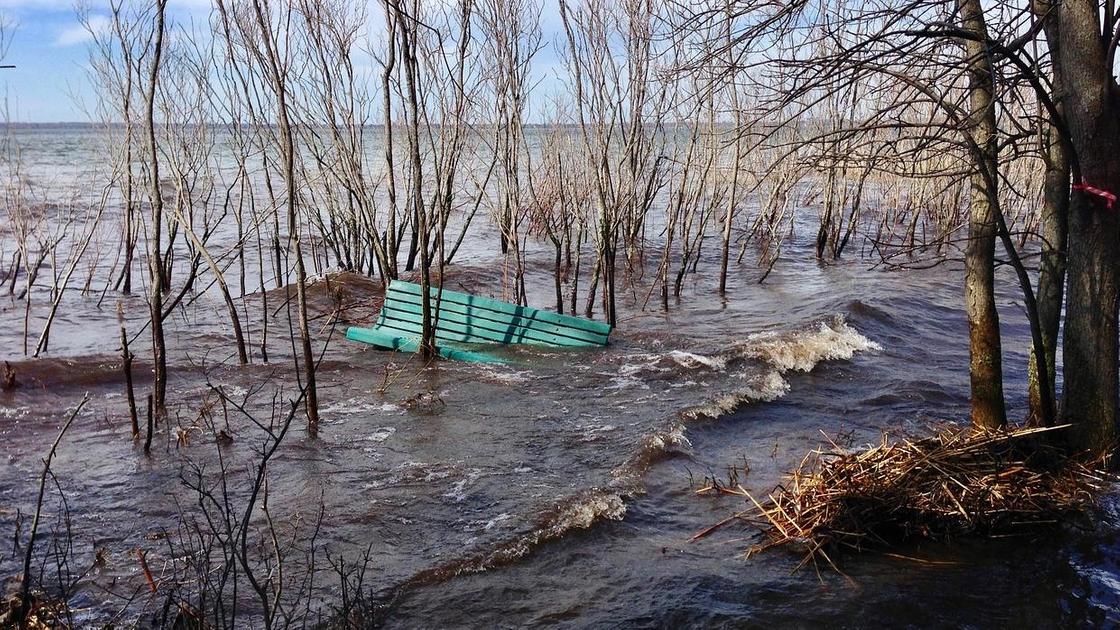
x=954 y=483
x=43 y=612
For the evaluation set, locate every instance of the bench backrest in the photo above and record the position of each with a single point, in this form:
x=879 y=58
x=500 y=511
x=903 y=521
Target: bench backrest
x=472 y=319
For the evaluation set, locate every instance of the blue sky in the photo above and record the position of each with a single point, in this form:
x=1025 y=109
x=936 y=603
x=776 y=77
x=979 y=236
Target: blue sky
x=48 y=47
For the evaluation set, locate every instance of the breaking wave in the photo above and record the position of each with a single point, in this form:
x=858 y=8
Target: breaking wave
x=754 y=369
x=576 y=512
x=801 y=351
x=757 y=367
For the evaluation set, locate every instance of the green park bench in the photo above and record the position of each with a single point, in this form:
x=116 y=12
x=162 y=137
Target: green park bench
x=465 y=322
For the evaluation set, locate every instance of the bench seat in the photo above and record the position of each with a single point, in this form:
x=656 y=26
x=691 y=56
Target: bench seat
x=464 y=322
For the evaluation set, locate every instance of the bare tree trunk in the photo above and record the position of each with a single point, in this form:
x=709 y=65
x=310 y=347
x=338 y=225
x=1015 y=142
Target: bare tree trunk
x=985 y=351
x=126 y=359
x=407 y=30
x=392 y=244
x=223 y=288
x=1090 y=352
x=732 y=197
x=129 y=237
x=1052 y=272
x=1084 y=68
x=278 y=79
x=155 y=256
x=725 y=251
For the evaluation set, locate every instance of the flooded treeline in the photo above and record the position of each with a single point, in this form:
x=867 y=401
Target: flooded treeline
x=247 y=153
x=273 y=141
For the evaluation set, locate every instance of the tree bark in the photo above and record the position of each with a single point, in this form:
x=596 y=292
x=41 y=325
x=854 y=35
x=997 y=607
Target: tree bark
x=1052 y=269
x=155 y=256
x=1091 y=100
x=985 y=350
x=407 y=30
x=392 y=242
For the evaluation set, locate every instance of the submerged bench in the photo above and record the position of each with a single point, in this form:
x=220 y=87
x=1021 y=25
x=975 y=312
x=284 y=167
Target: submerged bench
x=463 y=322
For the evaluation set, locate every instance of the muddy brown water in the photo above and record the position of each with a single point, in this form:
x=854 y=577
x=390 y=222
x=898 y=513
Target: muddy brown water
x=558 y=489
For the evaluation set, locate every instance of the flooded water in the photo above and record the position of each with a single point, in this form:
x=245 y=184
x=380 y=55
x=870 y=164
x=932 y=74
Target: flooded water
x=558 y=489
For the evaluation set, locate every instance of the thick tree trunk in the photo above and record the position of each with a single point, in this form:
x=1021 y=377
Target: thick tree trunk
x=985 y=351
x=1090 y=349
x=1091 y=101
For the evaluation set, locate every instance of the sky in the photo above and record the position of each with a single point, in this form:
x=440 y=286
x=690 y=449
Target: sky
x=48 y=46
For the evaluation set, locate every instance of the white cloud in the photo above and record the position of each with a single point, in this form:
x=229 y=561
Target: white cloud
x=78 y=33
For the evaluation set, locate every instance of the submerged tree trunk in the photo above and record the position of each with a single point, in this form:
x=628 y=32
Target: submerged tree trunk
x=155 y=256
x=985 y=351
x=277 y=76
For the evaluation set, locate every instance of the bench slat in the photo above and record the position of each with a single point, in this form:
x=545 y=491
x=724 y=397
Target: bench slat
x=505 y=308
x=454 y=317
x=500 y=321
x=383 y=339
x=462 y=319
x=455 y=326
x=407 y=329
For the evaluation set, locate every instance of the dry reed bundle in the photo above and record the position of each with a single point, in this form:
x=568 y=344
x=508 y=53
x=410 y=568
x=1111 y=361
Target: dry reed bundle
x=956 y=482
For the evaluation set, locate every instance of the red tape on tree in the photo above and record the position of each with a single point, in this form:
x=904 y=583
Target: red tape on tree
x=1109 y=198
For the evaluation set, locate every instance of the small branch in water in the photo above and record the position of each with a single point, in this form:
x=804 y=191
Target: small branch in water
x=25 y=587
x=147 y=572
x=148 y=438
x=126 y=357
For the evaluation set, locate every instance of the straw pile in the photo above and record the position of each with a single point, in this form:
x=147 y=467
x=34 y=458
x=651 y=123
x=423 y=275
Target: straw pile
x=957 y=482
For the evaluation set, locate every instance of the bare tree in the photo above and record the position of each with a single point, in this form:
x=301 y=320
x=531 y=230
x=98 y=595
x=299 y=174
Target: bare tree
x=619 y=110
x=253 y=28
x=1083 y=40
x=511 y=30
x=156 y=271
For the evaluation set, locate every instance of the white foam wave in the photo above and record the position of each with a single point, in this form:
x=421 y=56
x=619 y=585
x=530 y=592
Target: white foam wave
x=595 y=432
x=503 y=375
x=356 y=405
x=640 y=363
x=380 y=434
x=764 y=387
x=580 y=512
x=691 y=361
x=801 y=351
x=671 y=437
x=497 y=520
x=411 y=472
x=14 y=412
x=585 y=513
x=627 y=380
x=785 y=351
x=458 y=491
